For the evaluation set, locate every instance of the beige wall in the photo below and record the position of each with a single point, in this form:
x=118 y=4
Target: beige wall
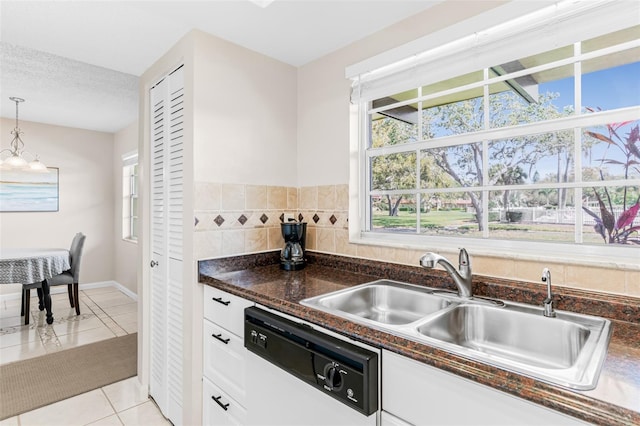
x=245 y=115
x=86 y=196
x=244 y=146
x=323 y=91
x=125 y=252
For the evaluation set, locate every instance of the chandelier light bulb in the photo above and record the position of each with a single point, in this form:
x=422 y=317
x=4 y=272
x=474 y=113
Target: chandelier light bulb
x=15 y=162
x=15 y=159
x=37 y=166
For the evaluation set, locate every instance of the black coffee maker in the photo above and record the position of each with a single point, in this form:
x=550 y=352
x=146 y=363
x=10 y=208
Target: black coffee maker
x=292 y=254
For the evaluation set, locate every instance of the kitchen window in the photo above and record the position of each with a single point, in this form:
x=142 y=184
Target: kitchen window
x=130 y=184
x=526 y=151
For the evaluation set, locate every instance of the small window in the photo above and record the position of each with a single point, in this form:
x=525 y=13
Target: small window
x=130 y=197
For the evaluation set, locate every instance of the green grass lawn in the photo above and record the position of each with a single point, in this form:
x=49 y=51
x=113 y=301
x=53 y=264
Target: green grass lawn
x=463 y=223
x=433 y=218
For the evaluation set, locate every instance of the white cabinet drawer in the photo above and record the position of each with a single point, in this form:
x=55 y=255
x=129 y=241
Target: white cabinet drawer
x=219 y=408
x=225 y=309
x=424 y=395
x=224 y=360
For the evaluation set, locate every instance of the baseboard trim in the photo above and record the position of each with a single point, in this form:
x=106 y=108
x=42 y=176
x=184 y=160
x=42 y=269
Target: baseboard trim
x=87 y=286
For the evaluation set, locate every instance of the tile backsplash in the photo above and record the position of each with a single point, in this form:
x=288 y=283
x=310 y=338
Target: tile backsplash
x=237 y=219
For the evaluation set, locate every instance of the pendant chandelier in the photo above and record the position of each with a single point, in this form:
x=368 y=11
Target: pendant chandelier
x=16 y=159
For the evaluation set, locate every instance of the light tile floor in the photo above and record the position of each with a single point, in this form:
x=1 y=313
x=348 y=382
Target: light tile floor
x=120 y=403
x=105 y=312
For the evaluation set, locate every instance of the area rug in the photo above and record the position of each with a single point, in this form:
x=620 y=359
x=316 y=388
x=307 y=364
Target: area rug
x=36 y=382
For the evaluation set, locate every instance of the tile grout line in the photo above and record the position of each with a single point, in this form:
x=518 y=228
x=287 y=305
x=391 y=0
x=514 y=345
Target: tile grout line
x=97 y=314
x=110 y=404
x=108 y=316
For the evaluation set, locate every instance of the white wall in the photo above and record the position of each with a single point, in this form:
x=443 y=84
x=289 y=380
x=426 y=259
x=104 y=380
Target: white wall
x=86 y=196
x=125 y=252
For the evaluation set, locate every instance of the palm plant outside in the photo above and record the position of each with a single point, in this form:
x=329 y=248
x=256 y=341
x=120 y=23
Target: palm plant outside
x=620 y=230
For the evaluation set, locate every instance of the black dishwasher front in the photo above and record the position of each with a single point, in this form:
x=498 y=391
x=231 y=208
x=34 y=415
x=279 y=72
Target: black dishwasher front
x=347 y=372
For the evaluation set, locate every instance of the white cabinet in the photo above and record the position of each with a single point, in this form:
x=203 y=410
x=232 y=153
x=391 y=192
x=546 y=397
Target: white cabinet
x=224 y=361
x=219 y=408
x=423 y=395
x=225 y=309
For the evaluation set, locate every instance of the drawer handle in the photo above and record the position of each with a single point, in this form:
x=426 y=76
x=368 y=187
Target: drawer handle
x=225 y=407
x=219 y=337
x=224 y=302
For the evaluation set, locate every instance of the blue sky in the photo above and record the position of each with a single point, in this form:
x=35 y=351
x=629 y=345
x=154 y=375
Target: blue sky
x=607 y=89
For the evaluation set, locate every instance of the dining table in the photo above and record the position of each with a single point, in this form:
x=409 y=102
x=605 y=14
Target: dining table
x=33 y=266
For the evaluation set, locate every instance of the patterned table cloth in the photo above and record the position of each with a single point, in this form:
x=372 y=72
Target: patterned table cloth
x=29 y=265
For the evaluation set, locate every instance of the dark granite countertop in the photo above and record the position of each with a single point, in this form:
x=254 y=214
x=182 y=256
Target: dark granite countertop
x=615 y=400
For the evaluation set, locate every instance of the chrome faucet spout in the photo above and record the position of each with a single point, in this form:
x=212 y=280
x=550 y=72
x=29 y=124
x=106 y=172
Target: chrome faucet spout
x=461 y=277
x=547 y=304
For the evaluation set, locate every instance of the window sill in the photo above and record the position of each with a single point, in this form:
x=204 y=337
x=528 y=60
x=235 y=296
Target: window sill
x=129 y=240
x=593 y=256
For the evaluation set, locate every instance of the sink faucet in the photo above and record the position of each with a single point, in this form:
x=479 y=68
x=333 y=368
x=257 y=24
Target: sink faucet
x=461 y=278
x=547 y=304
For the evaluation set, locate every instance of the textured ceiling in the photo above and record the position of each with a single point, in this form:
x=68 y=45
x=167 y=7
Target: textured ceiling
x=65 y=92
x=76 y=62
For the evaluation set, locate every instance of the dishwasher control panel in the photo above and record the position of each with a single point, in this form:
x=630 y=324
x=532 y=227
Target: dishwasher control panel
x=338 y=368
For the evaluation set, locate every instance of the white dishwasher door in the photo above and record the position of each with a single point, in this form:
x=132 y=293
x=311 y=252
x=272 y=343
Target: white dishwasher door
x=275 y=397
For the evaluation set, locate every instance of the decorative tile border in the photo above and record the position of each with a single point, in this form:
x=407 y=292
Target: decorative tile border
x=233 y=219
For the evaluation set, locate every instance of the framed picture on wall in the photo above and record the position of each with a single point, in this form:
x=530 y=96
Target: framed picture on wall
x=27 y=191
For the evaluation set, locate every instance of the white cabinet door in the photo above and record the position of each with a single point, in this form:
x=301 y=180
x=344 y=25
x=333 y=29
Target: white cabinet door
x=219 y=408
x=224 y=360
x=166 y=181
x=423 y=395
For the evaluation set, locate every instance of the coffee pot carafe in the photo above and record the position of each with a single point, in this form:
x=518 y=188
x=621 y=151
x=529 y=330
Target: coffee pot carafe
x=292 y=254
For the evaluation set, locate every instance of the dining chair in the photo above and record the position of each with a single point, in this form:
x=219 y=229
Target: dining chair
x=70 y=277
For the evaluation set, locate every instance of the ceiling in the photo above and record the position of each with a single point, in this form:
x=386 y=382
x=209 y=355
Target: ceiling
x=77 y=63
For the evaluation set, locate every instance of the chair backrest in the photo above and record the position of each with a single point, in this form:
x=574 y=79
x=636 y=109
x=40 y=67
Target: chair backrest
x=75 y=255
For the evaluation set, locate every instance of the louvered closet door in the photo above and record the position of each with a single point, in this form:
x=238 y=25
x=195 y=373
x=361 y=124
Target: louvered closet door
x=167 y=128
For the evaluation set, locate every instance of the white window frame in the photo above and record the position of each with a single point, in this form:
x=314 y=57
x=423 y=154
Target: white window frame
x=130 y=187
x=377 y=79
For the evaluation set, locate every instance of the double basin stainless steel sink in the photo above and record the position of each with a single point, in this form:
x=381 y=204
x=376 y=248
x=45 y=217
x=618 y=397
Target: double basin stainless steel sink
x=567 y=350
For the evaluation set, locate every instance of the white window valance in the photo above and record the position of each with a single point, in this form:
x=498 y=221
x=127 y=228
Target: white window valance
x=481 y=42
